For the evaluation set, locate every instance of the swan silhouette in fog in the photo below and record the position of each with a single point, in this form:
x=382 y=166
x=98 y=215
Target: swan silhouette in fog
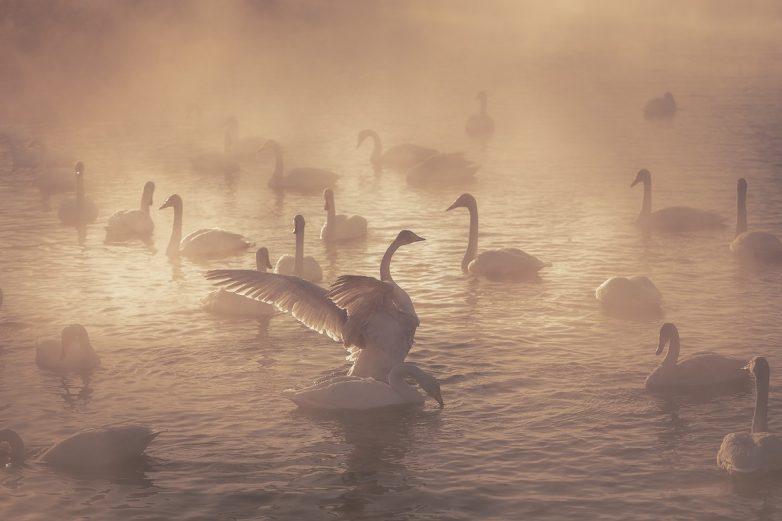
x=340 y=227
x=304 y=179
x=90 y=449
x=223 y=302
x=672 y=218
x=133 y=224
x=241 y=148
x=499 y=264
x=224 y=162
x=398 y=157
x=757 y=246
x=480 y=125
x=660 y=108
x=72 y=353
x=297 y=264
x=633 y=295
x=206 y=243
x=443 y=169
x=80 y=209
x=374 y=319
x=699 y=370
x=756 y=452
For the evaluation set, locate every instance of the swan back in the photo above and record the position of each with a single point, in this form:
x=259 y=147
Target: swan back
x=97 y=448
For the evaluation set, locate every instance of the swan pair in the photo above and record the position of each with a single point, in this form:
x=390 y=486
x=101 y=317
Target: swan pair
x=480 y=125
x=663 y=107
x=305 y=179
x=78 y=210
x=72 y=353
x=756 y=245
x=133 y=224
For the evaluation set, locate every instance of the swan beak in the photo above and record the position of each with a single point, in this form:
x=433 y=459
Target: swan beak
x=635 y=182
x=164 y=206
x=454 y=205
x=439 y=399
x=660 y=349
x=747 y=367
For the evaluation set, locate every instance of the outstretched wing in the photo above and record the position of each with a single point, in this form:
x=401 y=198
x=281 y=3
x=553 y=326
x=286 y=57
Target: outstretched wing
x=358 y=294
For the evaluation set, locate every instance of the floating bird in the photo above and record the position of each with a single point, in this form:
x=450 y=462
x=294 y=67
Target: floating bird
x=398 y=157
x=80 y=210
x=340 y=227
x=133 y=224
x=660 y=108
x=480 y=125
x=297 y=179
x=223 y=302
x=299 y=265
x=631 y=295
x=442 y=170
x=73 y=353
x=757 y=246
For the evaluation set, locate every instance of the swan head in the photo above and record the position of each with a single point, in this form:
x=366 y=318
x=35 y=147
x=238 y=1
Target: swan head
x=667 y=332
x=262 y=258
x=481 y=96
x=464 y=201
x=668 y=96
x=173 y=201
x=298 y=224
x=75 y=333
x=270 y=144
x=328 y=198
x=758 y=366
x=407 y=237
x=15 y=443
x=79 y=168
x=741 y=186
x=643 y=176
x=431 y=386
x=149 y=190
x=363 y=135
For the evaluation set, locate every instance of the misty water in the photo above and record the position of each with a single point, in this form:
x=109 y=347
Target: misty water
x=546 y=415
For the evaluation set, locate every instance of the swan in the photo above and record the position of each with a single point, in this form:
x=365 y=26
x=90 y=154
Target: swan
x=340 y=227
x=699 y=370
x=398 y=157
x=374 y=319
x=357 y=393
x=98 y=448
x=634 y=295
x=659 y=108
x=72 y=353
x=81 y=209
x=756 y=452
x=501 y=264
x=207 y=243
x=297 y=179
x=672 y=218
x=129 y=224
x=480 y=125
x=759 y=246
x=443 y=168
x=299 y=265
x=223 y=302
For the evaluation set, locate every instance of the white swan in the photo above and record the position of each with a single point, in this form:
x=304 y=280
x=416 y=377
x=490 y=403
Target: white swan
x=632 y=295
x=659 y=108
x=699 y=370
x=756 y=452
x=297 y=179
x=92 y=449
x=758 y=246
x=80 y=209
x=480 y=125
x=72 y=353
x=357 y=393
x=131 y=224
x=672 y=218
x=297 y=264
x=223 y=302
x=443 y=169
x=340 y=227
x=398 y=157
x=501 y=264
x=206 y=243
x=374 y=319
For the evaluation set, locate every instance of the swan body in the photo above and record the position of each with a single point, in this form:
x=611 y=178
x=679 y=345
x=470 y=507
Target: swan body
x=632 y=294
x=73 y=353
x=299 y=265
x=338 y=228
x=660 y=108
x=398 y=157
x=673 y=218
x=699 y=370
x=756 y=245
x=443 y=168
x=304 y=179
x=224 y=302
x=480 y=125
x=81 y=209
x=757 y=452
x=206 y=243
x=132 y=224
x=499 y=264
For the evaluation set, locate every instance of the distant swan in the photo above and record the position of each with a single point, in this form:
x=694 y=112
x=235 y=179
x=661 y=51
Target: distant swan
x=241 y=148
x=357 y=393
x=132 y=224
x=81 y=209
x=633 y=295
x=673 y=218
x=699 y=370
x=224 y=302
x=398 y=157
x=443 y=169
x=73 y=353
x=224 y=162
x=480 y=125
x=756 y=452
x=374 y=319
x=299 y=265
x=341 y=227
x=758 y=246
x=500 y=264
x=660 y=108
x=88 y=449
x=206 y=243
x=297 y=179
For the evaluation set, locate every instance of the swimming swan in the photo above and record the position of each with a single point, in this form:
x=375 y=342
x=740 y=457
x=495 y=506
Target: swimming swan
x=73 y=353
x=698 y=370
x=660 y=108
x=398 y=157
x=223 y=302
x=132 y=224
x=443 y=169
x=480 y=125
x=340 y=227
x=357 y=393
x=631 y=295
x=673 y=218
x=758 y=246
x=81 y=209
x=374 y=319
x=297 y=179
x=299 y=265
x=206 y=243
x=756 y=452
x=501 y=264
x=99 y=448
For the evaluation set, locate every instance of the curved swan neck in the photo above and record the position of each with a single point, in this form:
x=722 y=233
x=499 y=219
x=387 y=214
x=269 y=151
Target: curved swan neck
x=760 y=418
x=646 y=207
x=741 y=211
x=16 y=444
x=298 y=260
x=472 y=244
x=673 y=350
x=331 y=210
x=385 y=264
x=176 y=232
x=396 y=379
x=79 y=188
x=278 y=164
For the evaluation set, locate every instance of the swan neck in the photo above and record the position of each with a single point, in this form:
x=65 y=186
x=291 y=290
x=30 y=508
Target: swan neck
x=377 y=146
x=298 y=260
x=483 y=106
x=15 y=442
x=646 y=207
x=176 y=232
x=278 y=164
x=80 y=188
x=760 y=419
x=385 y=264
x=741 y=213
x=472 y=243
x=331 y=213
x=673 y=350
x=396 y=379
